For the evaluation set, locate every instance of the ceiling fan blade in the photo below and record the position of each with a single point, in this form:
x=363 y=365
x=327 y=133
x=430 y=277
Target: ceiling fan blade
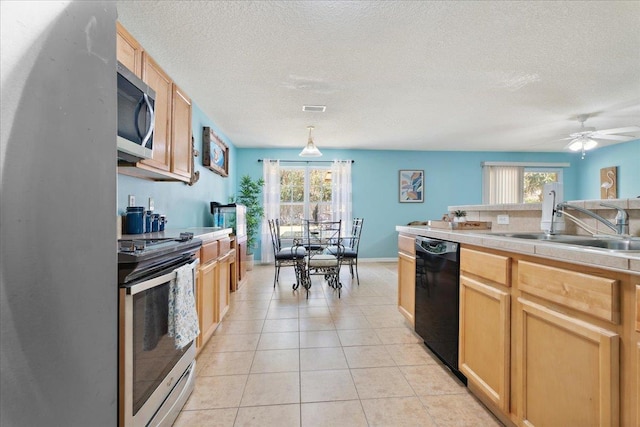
x=629 y=129
x=613 y=137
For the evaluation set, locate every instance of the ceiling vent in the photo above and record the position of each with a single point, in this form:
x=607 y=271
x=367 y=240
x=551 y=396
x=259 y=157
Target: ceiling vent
x=314 y=108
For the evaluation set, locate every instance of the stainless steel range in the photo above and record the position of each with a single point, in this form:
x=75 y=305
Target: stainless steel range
x=155 y=377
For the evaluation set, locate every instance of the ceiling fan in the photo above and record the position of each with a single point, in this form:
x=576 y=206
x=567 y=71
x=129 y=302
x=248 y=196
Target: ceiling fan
x=586 y=138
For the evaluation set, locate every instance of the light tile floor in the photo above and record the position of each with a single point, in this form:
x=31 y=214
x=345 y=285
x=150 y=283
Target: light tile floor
x=280 y=359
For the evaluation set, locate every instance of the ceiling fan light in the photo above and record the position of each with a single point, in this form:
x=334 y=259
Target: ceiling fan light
x=576 y=145
x=310 y=150
x=590 y=144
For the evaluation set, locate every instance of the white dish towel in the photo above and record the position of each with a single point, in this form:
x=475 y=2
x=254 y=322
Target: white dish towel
x=183 y=317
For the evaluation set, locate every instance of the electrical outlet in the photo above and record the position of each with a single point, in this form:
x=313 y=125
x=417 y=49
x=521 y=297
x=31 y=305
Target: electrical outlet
x=151 y=204
x=132 y=200
x=503 y=219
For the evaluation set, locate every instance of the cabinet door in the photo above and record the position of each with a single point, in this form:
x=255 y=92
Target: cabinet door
x=407 y=286
x=162 y=84
x=568 y=370
x=241 y=260
x=181 y=148
x=128 y=50
x=223 y=286
x=207 y=302
x=484 y=339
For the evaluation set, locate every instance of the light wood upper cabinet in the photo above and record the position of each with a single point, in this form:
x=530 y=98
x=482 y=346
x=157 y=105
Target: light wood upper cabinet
x=181 y=147
x=162 y=84
x=128 y=50
x=172 y=146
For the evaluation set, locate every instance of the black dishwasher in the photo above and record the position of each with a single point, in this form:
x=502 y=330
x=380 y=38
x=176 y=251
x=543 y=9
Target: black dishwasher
x=438 y=298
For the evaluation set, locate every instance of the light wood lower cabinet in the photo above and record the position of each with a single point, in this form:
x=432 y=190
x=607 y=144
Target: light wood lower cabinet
x=569 y=370
x=484 y=356
x=549 y=343
x=223 y=285
x=207 y=304
x=407 y=278
x=213 y=286
x=241 y=261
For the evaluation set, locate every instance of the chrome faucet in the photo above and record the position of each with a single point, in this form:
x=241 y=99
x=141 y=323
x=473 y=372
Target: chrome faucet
x=621 y=226
x=553 y=212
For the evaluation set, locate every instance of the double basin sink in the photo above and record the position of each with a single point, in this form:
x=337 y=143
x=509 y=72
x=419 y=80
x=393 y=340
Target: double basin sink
x=614 y=243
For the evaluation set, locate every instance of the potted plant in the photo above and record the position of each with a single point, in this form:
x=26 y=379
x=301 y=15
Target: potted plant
x=459 y=216
x=249 y=195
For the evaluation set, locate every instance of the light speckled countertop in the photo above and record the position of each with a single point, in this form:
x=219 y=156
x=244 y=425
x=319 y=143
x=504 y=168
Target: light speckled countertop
x=618 y=261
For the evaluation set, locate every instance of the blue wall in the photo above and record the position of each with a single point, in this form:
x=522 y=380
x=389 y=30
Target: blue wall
x=625 y=156
x=184 y=205
x=451 y=178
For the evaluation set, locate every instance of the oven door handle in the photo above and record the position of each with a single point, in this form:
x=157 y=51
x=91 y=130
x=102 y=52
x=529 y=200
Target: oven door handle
x=156 y=281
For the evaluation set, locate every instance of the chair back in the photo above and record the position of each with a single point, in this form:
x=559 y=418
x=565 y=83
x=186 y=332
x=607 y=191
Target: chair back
x=320 y=234
x=356 y=231
x=274 y=230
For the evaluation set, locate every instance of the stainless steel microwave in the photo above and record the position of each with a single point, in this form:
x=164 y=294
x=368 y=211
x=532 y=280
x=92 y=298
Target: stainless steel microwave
x=136 y=101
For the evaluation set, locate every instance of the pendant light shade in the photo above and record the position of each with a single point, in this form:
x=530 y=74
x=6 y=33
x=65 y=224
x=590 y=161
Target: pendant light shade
x=310 y=150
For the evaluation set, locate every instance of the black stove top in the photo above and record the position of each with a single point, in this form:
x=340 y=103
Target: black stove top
x=141 y=258
x=136 y=250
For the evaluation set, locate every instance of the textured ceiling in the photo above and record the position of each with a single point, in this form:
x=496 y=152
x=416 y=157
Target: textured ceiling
x=409 y=75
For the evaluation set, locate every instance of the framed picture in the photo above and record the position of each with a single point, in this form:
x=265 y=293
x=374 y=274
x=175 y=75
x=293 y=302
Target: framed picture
x=609 y=183
x=215 y=154
x=411 y=186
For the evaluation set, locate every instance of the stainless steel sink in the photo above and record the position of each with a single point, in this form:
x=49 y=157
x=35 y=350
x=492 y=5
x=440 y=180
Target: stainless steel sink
x=543 y=236
x=613 y=244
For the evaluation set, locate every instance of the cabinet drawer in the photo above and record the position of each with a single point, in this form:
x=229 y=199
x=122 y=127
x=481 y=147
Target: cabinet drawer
x=407 y=244
x=225 y=245
x=496 y=268
x=597 y=296
x=209 y=251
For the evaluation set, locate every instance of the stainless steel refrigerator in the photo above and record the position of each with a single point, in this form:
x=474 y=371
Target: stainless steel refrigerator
x=58 y=300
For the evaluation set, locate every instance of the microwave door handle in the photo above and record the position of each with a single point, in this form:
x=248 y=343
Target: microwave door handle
x=152 y=113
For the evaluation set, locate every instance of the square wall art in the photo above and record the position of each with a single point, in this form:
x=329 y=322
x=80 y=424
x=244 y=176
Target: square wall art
x=411 y=186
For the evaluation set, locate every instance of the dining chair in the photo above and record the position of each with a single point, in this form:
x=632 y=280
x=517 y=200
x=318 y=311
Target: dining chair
x=351 y=247
x=318 y=236
x=287 y=256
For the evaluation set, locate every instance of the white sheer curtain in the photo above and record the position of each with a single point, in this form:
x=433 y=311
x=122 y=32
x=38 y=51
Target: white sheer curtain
x=341 y=193
x=503 y=184
x=271 y=204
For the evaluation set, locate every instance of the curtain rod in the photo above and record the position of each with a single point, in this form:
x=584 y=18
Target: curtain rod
x=304 y=161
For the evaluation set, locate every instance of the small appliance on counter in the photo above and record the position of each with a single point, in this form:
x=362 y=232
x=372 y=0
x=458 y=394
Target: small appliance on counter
x=230 y=216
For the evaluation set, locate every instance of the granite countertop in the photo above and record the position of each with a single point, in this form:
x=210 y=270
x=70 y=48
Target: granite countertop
x=618 y=261
x=204 y=233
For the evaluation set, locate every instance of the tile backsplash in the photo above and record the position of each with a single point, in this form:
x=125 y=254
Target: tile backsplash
x=526 y=217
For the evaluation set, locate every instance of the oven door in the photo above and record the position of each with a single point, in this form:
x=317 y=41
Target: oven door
x=150 y=364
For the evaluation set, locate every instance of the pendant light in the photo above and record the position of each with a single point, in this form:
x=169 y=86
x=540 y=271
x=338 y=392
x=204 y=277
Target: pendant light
x=310 y=150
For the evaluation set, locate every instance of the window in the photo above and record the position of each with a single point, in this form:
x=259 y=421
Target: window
x=518 y=182
x=534 y=180
x=305 y=192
